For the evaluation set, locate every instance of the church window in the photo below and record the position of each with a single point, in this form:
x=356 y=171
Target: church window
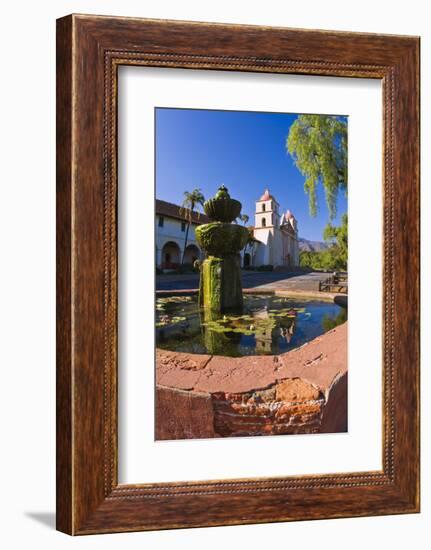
x=183 y=226
x=263 y=207
x=263 y=222
x=161 y=221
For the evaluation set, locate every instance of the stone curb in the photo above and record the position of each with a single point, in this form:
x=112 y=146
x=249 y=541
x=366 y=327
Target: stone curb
x=301 y=391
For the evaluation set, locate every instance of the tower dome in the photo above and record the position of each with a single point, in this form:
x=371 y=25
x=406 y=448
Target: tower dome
x=266 y=196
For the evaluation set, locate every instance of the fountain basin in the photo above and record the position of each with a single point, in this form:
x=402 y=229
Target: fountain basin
x=220 y=239
x=299 y=389
x=267 y=325
x=223 y=209
x=303 y=391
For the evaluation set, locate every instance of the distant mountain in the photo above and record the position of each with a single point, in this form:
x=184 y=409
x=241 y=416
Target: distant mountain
x=311 y=246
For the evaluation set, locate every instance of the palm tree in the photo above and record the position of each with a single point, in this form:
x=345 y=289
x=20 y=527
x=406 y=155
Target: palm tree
x=244 y=218
x=191 y=200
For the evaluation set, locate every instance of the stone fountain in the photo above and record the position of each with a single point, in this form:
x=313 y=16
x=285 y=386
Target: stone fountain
x=220 y=286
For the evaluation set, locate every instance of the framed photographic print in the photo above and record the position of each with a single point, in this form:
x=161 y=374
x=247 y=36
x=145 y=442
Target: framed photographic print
x=237 y=274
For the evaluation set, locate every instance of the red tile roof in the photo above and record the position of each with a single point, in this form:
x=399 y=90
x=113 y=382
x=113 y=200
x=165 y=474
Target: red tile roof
x=267 y=196
x=172 y=210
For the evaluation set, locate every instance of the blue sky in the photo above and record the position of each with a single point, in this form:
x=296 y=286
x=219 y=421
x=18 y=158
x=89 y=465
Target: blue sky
x=243 y=150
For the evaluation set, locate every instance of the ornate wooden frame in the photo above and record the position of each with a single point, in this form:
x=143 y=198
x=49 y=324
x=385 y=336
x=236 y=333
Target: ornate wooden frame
x=89 y=51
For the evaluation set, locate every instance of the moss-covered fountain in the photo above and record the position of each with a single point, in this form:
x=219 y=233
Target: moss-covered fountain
x=220 y=288
x=212 y=378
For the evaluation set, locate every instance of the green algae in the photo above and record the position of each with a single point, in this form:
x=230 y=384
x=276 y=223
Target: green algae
x=220 y=239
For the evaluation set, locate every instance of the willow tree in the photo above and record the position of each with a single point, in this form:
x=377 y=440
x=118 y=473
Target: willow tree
x=318 y=146
x=192 y=199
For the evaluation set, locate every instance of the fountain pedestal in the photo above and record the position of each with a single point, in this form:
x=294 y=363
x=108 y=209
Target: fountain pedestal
x=221 y=283
x=220 y=280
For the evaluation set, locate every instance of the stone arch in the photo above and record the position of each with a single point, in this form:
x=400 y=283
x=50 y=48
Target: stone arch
x=191 y=254
x=171 y=255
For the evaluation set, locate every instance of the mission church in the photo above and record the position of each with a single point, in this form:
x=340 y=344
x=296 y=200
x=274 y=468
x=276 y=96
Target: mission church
x=274 y=242
x=277 y=237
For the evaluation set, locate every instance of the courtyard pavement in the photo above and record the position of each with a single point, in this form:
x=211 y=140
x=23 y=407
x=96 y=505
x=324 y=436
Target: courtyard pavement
x=250 y=279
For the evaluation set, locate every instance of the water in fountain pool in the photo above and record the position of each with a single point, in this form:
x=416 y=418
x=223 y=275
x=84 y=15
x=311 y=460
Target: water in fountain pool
x=267 y=325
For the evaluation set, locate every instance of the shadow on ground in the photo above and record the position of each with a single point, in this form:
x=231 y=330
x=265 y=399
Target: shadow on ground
x=341 y=300
x=45 y=518
x=250 y=279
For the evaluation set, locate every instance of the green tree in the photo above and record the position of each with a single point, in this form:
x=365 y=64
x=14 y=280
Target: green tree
x=333 y=258
x=337 y=237
x=192 y=199
x=305 y=258
x=318 y=146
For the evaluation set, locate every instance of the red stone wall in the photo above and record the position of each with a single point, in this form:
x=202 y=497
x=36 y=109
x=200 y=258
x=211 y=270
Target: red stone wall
x=299 y=392
x=291 y=407
x=183 y=415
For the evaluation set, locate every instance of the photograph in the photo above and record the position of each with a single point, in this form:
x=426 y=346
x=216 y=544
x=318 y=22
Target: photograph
x=251 y=254
x=213 y=316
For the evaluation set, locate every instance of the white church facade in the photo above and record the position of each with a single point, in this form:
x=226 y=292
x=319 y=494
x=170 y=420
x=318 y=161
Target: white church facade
x=275 y=236
x=171 y=230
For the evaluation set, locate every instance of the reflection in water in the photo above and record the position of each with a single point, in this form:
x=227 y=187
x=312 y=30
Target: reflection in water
x=266 y=325
x=329 y=322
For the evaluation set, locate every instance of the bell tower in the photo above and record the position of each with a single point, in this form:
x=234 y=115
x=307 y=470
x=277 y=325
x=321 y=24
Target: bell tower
x=267 y=229
x=266 y=214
